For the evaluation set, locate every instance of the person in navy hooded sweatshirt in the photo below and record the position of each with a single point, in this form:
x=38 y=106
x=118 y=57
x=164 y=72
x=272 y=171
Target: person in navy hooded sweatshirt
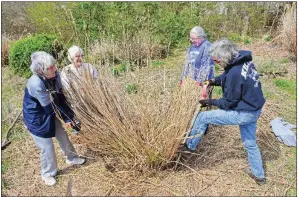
x=43 y=101
x=240 y=104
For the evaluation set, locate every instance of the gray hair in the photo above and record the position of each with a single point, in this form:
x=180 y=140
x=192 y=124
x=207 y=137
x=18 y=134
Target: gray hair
x=224 y=50
x=198 y=31
x=73 y=51
x=40 y=61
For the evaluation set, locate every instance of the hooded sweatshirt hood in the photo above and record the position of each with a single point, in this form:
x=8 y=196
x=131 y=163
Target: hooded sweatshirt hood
x=243 y=56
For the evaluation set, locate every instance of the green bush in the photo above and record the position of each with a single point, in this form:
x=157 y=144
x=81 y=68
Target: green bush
x=21 y=50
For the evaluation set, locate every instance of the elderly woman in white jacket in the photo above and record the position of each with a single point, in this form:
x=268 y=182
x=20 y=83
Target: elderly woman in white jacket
x=77 y=68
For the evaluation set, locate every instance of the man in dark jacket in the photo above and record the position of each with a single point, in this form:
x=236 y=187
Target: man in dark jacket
x=240 y=104
x=43 y=100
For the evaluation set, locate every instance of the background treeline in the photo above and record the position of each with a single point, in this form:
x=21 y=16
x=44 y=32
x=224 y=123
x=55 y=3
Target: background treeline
x=134 y=33
x=167 y=23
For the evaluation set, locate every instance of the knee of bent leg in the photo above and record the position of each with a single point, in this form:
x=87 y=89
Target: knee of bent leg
x=201 y=117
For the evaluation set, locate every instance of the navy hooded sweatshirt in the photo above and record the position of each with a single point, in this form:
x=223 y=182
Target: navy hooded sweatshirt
x=240 y=85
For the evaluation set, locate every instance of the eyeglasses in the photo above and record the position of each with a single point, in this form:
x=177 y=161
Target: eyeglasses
x=193 y=39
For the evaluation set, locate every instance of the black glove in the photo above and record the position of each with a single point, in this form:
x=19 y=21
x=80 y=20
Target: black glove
x=210 y=82
x=76 y=127
x=206 y=102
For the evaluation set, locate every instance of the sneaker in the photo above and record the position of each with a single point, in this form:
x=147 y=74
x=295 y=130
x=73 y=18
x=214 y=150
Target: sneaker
x=76 y=161
x=259 y=181
x=50 y=181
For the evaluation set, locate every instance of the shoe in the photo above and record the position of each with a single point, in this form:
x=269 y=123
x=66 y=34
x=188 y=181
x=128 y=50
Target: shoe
x=50 y=181
x=76 y=161
x=184 y=148
x=259 y=181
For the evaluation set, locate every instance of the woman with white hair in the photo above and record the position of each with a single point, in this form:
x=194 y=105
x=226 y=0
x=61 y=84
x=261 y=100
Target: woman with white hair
x=241 y=103
x=43 y=102
x=77 y=69
x=198 y=64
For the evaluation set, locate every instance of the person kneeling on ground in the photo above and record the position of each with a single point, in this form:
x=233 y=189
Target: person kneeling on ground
x=43 y=96
x=241 y=103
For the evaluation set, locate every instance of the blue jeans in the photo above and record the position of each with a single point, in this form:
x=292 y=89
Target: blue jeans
x=247 y=123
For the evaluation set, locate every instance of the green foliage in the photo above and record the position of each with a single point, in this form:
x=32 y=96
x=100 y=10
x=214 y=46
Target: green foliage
x=165 y=24
x=234 y=37
x=246 y=40
x=21 y=50
x=284 y=60
x=131 y=88
x=118 y=69
x=54 y=18
x=271 y=67
x=286 y=85
x=267 y=38
x=4 y=166
x=216 y=68
x=217 y=91
x=157 y=63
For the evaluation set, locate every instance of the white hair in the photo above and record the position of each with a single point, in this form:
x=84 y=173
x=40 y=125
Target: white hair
x=40 y=61
x=224 y=50
x=73 y=51
x=198 y=31
x=36 y=54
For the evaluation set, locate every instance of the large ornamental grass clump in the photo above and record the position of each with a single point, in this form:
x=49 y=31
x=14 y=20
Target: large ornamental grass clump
x=142 y=130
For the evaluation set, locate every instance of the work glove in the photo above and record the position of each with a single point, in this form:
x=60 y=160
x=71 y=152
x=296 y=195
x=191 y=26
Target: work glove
x=210 y=82
x=206 y=102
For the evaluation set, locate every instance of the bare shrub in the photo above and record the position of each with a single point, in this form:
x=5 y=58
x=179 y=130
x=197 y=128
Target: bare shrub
x=137 y=131
x=137 y=50
x=288 y=35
